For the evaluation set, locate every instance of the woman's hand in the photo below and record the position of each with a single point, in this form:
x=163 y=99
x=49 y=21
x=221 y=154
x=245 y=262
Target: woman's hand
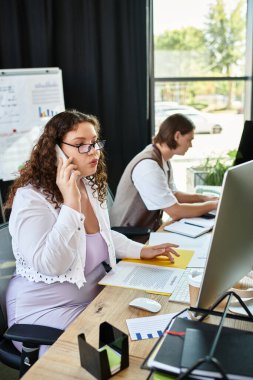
x=66 y=179
x=149 y=252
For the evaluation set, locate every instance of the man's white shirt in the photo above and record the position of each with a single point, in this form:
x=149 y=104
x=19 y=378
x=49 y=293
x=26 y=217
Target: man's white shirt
x=152 y=184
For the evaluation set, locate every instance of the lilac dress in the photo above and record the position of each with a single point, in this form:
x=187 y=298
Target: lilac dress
x=57 y=304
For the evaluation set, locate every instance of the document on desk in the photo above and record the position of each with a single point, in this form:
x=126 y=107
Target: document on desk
x=150 y=327
x=147 y=277
x=199 y=245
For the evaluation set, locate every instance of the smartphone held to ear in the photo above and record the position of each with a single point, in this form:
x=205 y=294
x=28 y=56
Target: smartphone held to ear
x=59 y=153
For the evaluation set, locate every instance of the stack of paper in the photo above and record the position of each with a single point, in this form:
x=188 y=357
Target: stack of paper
x=157 y=275
x=199 y=245
x=147 y=277
x=114 y=358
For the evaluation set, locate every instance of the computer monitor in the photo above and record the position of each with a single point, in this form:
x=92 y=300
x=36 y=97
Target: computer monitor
x=230 y=254
x=245 y=151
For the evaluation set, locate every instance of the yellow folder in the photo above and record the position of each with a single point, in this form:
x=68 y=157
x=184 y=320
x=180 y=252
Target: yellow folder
x=180 y=262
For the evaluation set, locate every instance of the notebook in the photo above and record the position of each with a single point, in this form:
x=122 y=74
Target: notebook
x=233 y=351
x=178 y=352
x=189 y=227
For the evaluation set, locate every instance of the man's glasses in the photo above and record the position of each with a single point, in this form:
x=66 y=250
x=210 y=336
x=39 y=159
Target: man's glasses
x=86 y=148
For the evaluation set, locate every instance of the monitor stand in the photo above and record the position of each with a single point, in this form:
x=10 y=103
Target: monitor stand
x=236 y=308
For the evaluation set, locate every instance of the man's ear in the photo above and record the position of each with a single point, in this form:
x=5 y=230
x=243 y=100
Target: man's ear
x=177 y=136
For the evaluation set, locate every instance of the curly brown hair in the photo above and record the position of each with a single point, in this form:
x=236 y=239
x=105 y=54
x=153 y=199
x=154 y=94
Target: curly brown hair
x=40 y=169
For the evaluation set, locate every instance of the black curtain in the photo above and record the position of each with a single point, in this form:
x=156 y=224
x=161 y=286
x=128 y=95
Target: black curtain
x=101 y=47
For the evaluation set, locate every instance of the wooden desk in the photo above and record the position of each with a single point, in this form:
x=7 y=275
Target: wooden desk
x=62 y=362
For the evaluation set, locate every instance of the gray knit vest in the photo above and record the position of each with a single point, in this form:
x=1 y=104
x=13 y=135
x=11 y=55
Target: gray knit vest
x=128 y=208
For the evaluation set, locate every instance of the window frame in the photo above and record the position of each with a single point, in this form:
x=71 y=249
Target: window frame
x=247 y=78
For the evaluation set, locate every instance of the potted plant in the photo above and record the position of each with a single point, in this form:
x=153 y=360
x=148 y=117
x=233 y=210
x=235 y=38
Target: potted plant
x=211 y=172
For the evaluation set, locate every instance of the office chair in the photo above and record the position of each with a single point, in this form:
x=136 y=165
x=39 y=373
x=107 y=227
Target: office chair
x=32 y=336
x=131 y=232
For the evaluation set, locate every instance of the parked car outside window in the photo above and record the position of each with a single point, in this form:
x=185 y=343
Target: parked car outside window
x=204 y=122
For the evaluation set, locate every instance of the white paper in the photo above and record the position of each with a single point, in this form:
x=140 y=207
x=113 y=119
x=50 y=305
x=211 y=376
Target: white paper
x=198 y=260
x=147 y=277
x=183 y=241
x=150 y=327
x=199 y=245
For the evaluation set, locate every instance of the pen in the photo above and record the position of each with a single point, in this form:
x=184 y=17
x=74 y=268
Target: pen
x=192 y=224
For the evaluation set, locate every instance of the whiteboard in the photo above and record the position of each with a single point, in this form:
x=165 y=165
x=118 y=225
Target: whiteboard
x=28 y=99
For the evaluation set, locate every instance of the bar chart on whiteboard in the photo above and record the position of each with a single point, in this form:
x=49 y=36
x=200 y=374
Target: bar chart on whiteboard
x=28 y=99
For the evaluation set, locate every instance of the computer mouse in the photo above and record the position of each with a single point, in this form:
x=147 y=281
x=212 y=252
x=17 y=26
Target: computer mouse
x=146 y=304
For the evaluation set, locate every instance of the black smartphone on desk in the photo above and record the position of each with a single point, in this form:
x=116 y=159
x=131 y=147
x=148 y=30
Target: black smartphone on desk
x=208 y=216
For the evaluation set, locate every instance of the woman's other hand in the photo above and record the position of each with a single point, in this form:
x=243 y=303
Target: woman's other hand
x=66 y=179
x=149 y=252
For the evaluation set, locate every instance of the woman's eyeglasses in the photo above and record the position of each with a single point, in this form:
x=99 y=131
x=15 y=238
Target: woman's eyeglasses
x=86 y=148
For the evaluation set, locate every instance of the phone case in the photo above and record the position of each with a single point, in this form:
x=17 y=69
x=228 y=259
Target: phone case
x=60 y=153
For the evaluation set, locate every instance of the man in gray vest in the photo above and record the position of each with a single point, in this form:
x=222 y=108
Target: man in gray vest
x=147 y=188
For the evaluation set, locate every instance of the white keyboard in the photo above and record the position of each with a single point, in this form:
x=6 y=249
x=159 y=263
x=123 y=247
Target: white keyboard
x=181 y=292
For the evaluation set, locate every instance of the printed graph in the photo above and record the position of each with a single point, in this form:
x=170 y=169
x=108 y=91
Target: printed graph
x=150 y=327
x=46 y=112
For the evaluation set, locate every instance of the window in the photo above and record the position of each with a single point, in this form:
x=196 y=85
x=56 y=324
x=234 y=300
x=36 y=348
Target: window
x=200 y=70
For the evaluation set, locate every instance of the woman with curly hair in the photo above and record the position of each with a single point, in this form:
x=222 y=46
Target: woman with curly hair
x=60 y=226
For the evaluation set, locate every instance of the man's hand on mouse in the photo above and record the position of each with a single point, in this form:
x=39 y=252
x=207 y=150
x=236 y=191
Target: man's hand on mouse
x=149 y=252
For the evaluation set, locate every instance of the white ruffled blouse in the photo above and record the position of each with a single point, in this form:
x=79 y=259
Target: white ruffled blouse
x=50 y=244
